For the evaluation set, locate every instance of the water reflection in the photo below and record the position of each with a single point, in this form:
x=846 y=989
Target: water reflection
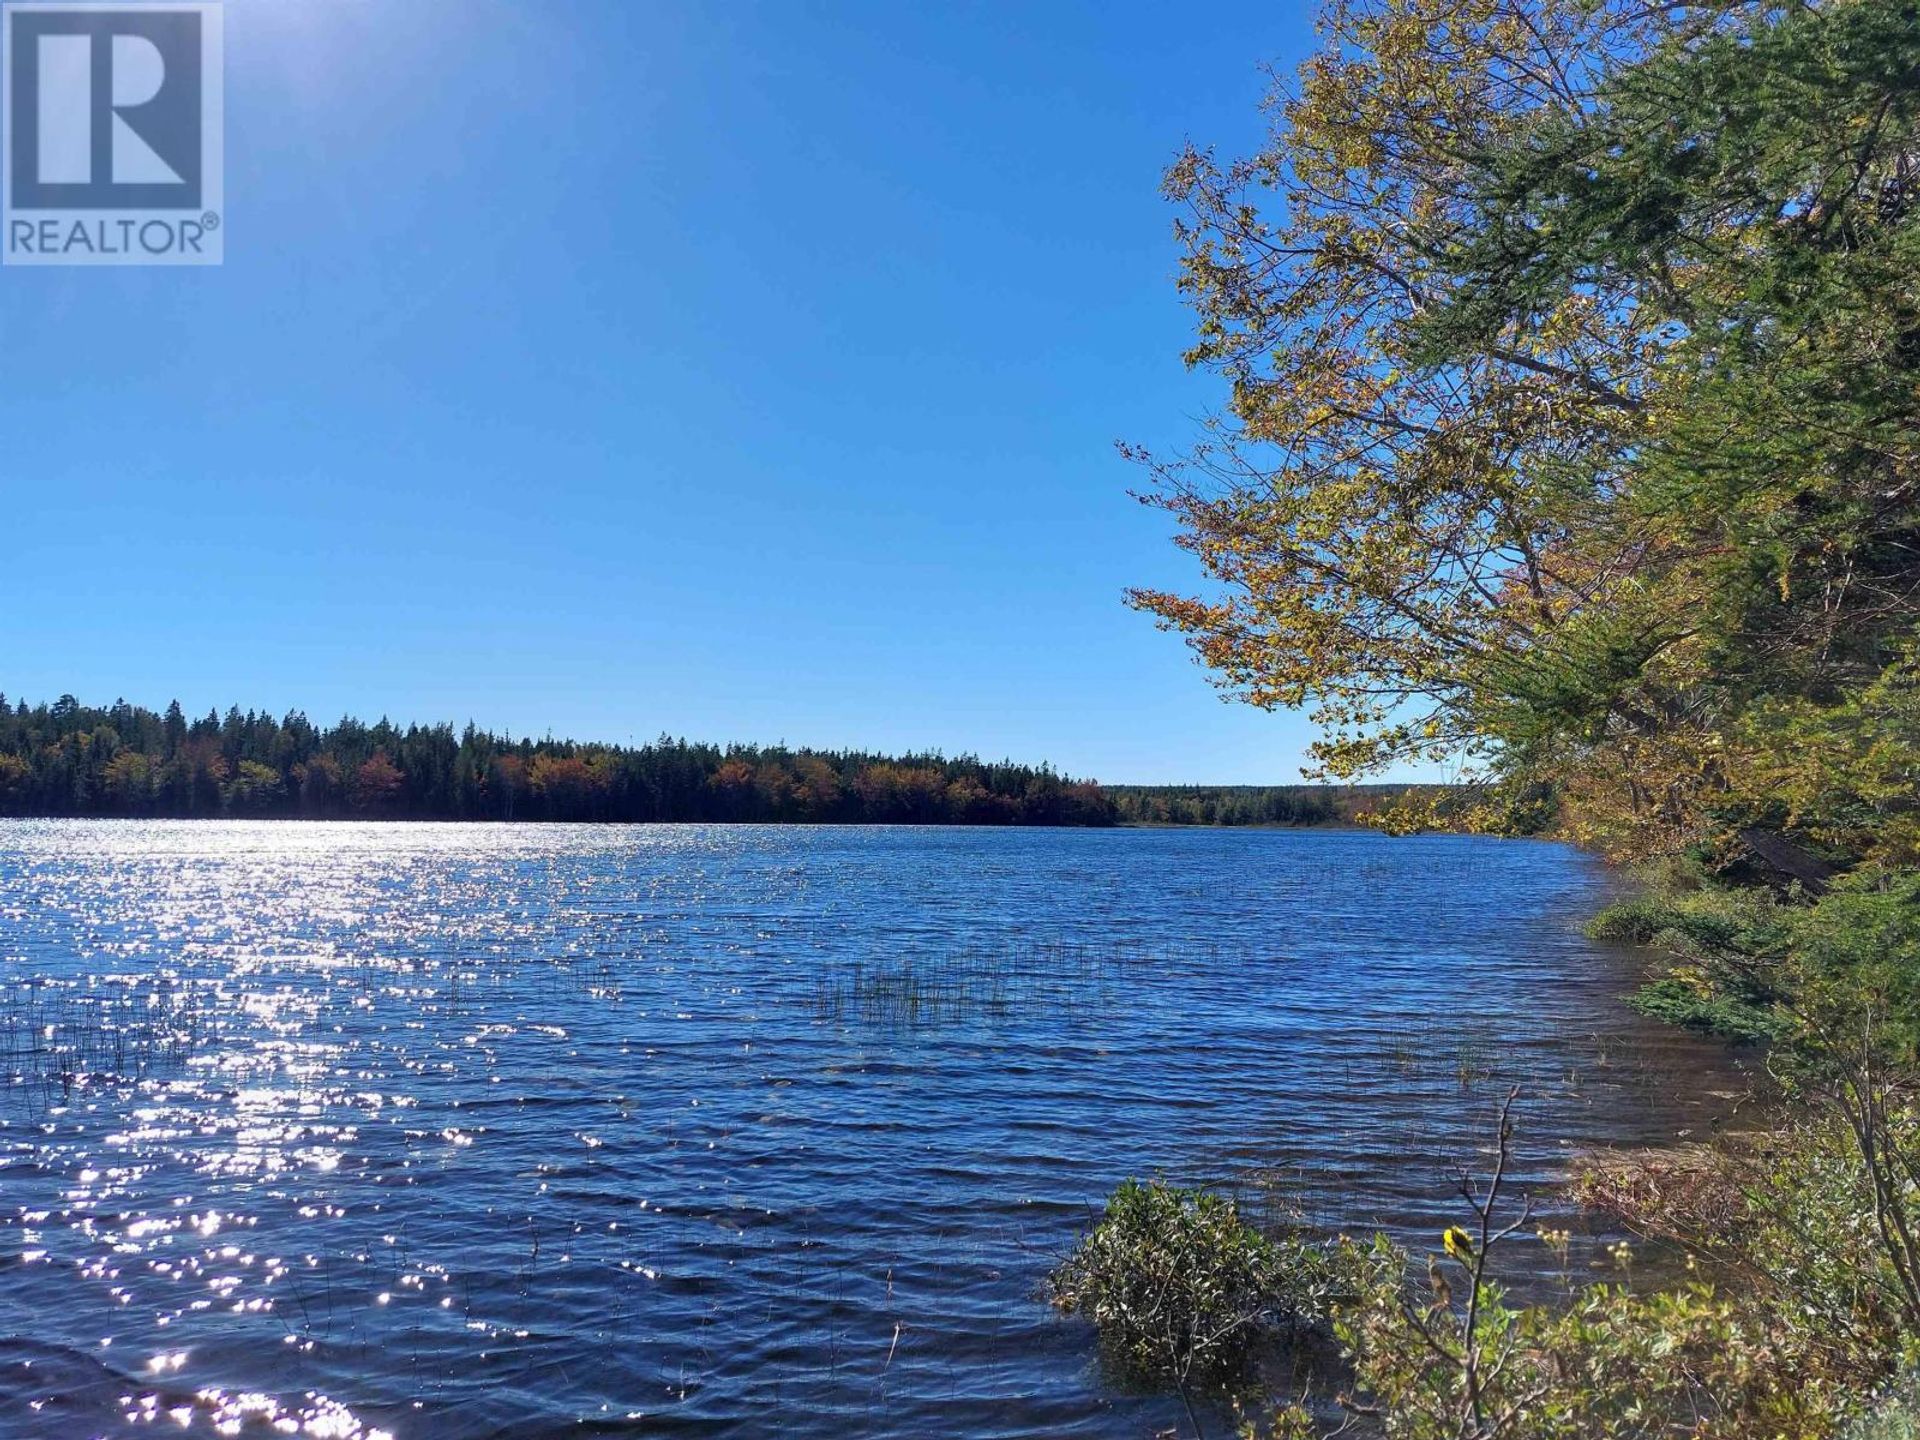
x=442 y=1131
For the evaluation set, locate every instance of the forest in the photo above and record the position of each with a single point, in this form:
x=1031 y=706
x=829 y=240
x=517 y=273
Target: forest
x=1228 y=804
x=68 y=759
x=1277 y=805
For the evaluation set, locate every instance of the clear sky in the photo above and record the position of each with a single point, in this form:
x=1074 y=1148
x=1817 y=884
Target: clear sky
x=608 y=367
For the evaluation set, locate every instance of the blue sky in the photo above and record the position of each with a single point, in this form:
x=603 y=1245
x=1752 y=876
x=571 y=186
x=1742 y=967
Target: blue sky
x=750 y=372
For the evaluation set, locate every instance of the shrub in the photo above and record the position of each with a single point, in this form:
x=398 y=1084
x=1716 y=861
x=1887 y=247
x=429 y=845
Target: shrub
x=1680 y=1001
x=1804 y=1342
x=1181 y=1289
x=1453 y=1361
x=1612 y=1365
x=1680 y=1194
x=1894 y=1419
x=1631 y=922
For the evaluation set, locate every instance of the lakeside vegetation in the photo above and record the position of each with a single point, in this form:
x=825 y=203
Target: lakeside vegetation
x=1574 y=351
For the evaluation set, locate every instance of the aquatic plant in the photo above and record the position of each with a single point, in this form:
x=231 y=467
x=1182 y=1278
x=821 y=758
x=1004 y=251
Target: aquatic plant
x=982 y=983
x=58 y=1036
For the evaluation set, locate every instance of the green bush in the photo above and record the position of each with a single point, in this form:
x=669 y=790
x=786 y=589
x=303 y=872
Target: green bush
x=1894 y=1419
x=1680 y=1002
x=1631 y=922
x=1180 y=1288
x=1611 y=1364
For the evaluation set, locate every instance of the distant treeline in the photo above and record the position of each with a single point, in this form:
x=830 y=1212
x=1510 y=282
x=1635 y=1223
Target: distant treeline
x=68 y=759
x=1249 y=804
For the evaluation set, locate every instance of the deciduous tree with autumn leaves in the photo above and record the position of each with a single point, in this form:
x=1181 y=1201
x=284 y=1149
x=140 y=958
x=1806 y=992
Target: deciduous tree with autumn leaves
x=1574 y=366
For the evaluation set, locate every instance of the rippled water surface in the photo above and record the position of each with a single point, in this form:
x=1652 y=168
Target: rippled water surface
x=448 y=1131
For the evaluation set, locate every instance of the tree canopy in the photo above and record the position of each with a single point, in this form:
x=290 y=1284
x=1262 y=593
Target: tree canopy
x=1574 y=363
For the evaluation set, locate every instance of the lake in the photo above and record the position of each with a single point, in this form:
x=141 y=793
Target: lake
x=452 y=1131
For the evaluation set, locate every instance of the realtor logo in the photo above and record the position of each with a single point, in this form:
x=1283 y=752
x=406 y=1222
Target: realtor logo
x=113 y=134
